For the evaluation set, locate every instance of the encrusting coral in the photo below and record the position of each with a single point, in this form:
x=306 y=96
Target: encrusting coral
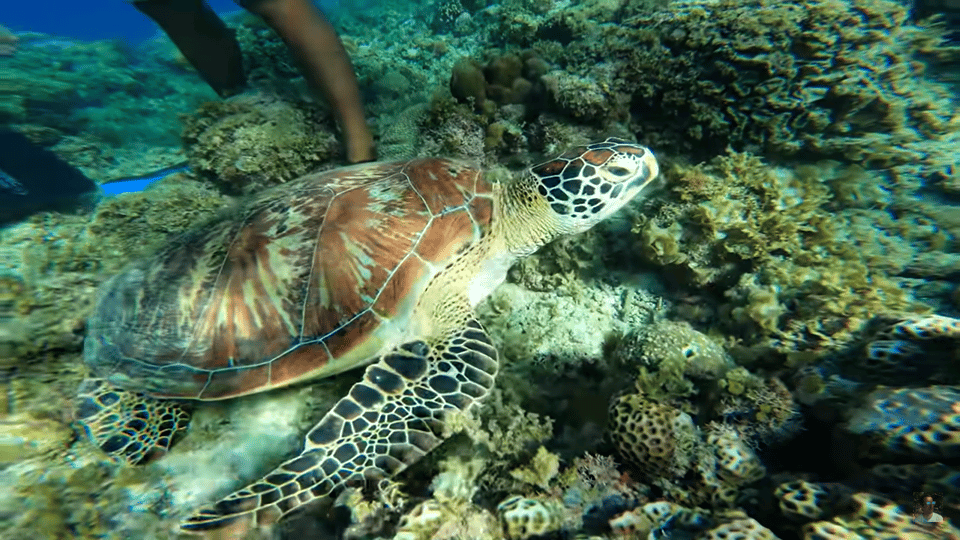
x=873 y=516
x=796 y=272
x=831 y=78
x=911 y=350
x=915 y=422
x=251 y=142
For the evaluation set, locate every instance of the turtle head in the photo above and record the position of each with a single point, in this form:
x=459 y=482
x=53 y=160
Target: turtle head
x=589 y=183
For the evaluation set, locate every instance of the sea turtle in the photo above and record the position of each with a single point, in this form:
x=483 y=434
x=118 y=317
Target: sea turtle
x=377 y=264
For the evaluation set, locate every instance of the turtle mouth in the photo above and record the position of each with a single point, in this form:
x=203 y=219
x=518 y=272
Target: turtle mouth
x=639 y=182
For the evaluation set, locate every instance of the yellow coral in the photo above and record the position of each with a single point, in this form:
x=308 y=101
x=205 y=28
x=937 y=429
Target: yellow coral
x=801 y=499
x=874 y=516
x=807 y=276
x=824 y=530
x=524 y=517
x=911 y=421
x=741 y=529
x=649 y=434
x=421 y=522
x=736 y=462
x=542 y=468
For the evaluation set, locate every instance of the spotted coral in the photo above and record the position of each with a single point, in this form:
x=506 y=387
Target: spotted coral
x=917 y=422
x=913 y=349
x=873 y=516
x=741 y=529
x=802 y=500
x=737 y=462
x=654 y=437
x=526 y=517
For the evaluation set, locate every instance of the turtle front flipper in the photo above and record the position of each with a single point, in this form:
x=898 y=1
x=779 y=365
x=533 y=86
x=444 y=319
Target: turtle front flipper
x=126 y=425
x=388 y=421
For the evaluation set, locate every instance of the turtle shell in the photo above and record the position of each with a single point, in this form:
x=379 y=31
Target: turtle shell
x=309 y=279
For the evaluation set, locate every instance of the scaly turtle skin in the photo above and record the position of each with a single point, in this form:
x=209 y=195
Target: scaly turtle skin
x=377 y=264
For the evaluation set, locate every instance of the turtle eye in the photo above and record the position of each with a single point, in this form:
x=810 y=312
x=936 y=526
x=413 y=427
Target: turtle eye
x=619 y=171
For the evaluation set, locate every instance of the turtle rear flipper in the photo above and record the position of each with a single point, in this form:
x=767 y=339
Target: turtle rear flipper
x=388 y=421
x=127 y=425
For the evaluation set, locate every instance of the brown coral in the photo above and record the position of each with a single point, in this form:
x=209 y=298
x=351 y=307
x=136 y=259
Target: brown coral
x=254 y=141
x=649 y=435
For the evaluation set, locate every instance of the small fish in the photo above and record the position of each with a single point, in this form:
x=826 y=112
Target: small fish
x=34 y=179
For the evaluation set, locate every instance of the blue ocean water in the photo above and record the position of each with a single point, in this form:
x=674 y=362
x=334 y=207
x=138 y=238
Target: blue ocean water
x=98 y=19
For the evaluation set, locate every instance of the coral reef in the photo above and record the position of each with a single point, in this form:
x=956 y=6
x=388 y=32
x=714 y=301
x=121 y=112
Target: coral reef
x=120 y=101
x=916 y=422
x=874 y=517
x=524 y=517
x=254 y=141
x=566 y=326
x=779 y=269
x=786 y=79
x=505 y=79
x=796 y=273
x=58 y=260
x=692 y=466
